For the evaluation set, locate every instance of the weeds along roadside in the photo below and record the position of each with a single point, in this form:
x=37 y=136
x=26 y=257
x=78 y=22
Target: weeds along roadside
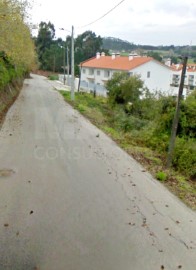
x=146 y=139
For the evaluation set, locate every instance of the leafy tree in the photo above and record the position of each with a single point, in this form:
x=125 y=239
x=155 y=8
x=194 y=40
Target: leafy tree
x=174 y=60
x=15 y=37
x=155 y=55
x=86 y=46
x=123 y=88
x=44 y=40
x=53 y=58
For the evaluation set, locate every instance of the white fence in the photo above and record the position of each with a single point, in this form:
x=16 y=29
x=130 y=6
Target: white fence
x=84 y=86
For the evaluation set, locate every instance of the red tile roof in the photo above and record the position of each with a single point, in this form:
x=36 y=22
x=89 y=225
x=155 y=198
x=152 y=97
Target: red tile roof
x=119 y=63
x=190 y=67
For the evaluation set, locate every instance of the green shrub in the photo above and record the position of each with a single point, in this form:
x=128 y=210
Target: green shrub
x=123 y=88
x=184 y=159
x=126 y=122
x=161 y=176
x=81 y=108
x=4 y=75
x=53 y=77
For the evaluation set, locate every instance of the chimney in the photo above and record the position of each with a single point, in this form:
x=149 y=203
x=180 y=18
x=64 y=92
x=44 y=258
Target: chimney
x=130 y=57
x=168 y=62
x=98 y=55
x=113 y=56
x=102 y=54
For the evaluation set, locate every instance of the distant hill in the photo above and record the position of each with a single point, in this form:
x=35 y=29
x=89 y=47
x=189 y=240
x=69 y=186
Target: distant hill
x=116 y=44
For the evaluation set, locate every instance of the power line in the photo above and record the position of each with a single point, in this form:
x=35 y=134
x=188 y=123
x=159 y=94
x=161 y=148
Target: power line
x=103 y=15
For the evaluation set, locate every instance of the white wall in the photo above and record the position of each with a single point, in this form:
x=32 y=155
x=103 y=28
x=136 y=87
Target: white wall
x=68 y=80
x=159 y=80
x=160 y=76
x=98 y=79
x=188 y=83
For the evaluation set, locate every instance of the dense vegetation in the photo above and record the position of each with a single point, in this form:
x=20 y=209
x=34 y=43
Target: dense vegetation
x=17 y=55
x=149 y=119
x=141 y=123
x=52 y=53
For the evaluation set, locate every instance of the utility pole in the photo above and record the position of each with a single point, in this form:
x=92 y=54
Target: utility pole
x=72 y=65
x=177 y=114
x=64 y=64
x=67 y=65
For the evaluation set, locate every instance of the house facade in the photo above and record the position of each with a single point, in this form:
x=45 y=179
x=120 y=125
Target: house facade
x=96 y=71
x=190 y=78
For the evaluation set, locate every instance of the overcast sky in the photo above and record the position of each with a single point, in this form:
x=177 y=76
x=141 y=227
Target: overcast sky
x=154 y=22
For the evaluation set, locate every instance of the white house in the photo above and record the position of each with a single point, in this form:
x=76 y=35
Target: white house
x=95 y=72
x=190 y=78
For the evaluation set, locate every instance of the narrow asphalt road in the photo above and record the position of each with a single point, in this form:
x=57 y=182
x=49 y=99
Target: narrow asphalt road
x=71 y=199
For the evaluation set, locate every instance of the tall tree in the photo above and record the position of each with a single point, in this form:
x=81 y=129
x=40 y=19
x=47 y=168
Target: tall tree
x=155 y=55
x=44 y=39
x=15 y=37
x=86 y=46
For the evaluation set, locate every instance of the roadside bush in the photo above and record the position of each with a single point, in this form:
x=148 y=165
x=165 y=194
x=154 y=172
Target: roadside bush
x=188 y=114
x=161 y=176
x=4 y=75
x=123 y=88
x=184 y=158
x=53 y=77
x=126 y=122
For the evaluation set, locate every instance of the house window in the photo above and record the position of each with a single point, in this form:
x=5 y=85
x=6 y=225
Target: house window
x=130 y=74
x=84 y=70
x=148 y=74
x=98 y=72
x=91 y=71
x=106 y=73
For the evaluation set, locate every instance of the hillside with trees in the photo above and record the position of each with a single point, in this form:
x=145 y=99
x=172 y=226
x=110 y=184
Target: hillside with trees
x=52 y=52
x=116 y=44
x=17 y=52
x=157 y=52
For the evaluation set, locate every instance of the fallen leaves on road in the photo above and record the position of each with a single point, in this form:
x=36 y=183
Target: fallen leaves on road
x=6 y=172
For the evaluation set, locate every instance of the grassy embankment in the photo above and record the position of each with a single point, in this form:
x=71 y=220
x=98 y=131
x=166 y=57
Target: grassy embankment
x=11 y=80
x=7 y=97
x=99 y=112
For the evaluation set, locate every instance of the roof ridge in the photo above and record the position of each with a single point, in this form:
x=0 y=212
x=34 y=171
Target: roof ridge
x=117 y=63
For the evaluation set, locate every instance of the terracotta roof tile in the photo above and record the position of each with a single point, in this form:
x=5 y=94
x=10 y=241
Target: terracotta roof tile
x=190 y=67
x=119 y=63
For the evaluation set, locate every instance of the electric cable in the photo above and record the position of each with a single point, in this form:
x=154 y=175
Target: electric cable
x=103 y=15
